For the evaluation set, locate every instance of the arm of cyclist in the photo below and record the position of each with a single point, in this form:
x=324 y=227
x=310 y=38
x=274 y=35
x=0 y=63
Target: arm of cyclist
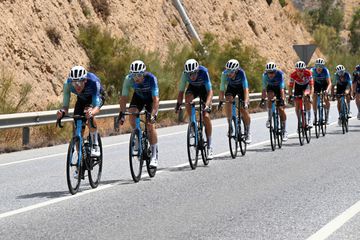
x=155 y=109
x=66 y=100
x=179 y=101
x=221 y=99
x=209 y=100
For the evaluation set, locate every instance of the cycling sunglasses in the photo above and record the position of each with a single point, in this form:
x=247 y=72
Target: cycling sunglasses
x=78 y=82
x=191 y=74
x=319 y=66
x=138 y=75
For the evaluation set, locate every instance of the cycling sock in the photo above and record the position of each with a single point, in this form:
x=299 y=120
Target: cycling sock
x=308 y=113
x=348 y=107
x=154 y=150
x=94 y=137
x=247 y=129
x=209 y=142
x=284 y=125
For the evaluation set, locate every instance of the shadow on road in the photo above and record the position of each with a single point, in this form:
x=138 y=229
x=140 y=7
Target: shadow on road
x=45 y=195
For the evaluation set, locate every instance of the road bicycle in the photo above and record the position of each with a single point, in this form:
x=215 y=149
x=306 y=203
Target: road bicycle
x=304 y=131
x=79 y=158
x=320 y=115
x=196 y=136
x=275 y=128
x=344 y=113
x=236 y=130
x=139 y=147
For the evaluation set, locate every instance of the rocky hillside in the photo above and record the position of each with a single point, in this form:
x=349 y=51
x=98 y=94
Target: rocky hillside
x=39 y=45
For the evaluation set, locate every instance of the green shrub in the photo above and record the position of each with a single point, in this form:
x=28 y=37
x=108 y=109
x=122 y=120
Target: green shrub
x=7 y=103
x=102 y=8
x=54 y=35
x=326 y=38
x=283 y=3
x=110 y=58
x=355 y=32
x=329 y=14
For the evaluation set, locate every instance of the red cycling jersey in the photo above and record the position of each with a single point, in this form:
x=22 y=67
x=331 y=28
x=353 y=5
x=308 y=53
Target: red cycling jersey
x=305 y=79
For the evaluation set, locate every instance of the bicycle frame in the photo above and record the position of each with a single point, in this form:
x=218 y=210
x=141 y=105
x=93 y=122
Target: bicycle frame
x=194 y=121
x=78 y=127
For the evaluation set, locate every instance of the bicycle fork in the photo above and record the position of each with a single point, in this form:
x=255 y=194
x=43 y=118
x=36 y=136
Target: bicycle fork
x=193 y=120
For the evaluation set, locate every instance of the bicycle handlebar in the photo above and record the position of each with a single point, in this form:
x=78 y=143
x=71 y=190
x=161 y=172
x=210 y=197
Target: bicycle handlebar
x=75 y=117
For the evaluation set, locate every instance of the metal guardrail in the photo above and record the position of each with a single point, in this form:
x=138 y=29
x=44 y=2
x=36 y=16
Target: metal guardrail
x=32 y=119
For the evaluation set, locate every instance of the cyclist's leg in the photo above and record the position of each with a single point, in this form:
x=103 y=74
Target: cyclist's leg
x=270 y=95
x=136 y=105
x=229 y=95
x=94 y=131
x=207 y=121
x=317 y=89
x=152 y=133
x=79 y=110
x=306 y=90
x=245 y=115
x=327 y=103
x=297 y=92
x=282 y=113
x=190 y=94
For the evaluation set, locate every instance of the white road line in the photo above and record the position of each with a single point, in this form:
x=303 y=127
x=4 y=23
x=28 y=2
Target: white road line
x=47 y=203
x=336 y=223
x=101 y=187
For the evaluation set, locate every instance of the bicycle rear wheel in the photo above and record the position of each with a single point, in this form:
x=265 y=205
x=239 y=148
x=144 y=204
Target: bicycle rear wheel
x=233 y=138
x=203 y=144
x=135 y=156
x=95 y=168
x=272 y=133
x=192 y=147
x=147 y=155
x=317 y=124
x=73 y=172
x=300 y=130
x=323 y=122
x=308 y=134
x=279 y=132
x=241 y=137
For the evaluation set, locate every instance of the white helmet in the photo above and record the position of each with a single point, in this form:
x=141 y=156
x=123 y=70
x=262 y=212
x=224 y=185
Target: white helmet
x=320 y=61
x=340 y=68
x=232 y=64
x=191 y=65
x=300 y=65
x=270 y=67
x=77 y=73
x=137 y=66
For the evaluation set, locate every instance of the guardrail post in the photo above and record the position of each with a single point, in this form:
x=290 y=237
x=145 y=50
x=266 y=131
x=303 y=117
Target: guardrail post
x=26 y=136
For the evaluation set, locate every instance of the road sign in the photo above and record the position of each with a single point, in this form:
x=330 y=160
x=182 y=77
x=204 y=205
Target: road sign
x=305 y=52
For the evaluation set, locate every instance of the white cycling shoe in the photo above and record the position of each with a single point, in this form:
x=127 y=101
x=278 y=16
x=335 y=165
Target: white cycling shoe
x=95 y=151
x=154 y=162
x=210 y=154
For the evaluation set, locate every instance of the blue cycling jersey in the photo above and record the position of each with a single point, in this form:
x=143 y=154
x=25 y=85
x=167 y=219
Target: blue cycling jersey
x=276 y=81
x=320 y=78
x=203 y=79
x=93 y=89
x=147 y=89
x=239 y=80
x=342 y=80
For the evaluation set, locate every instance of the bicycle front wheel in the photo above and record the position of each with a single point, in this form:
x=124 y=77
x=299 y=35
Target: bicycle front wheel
x=241 y=137
x=203 y=145
x=95 y=168
x=233 y=138
x=146 y=155
x=301 y=130
x=279 y=132
x=192 y=147
x=135 y=156
x=272 y=135
x=318 y=123
x=73 y=172
x=308 y=134
x=323 y=122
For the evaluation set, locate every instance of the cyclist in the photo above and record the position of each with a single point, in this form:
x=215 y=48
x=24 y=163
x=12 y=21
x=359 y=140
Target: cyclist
x=301 y=79
x=356 y=88
x=146 y=94
x=322 y=82
x=342 y=80
x=235 y=81
x=273 y=84
x=90 y=98
x=199 y=85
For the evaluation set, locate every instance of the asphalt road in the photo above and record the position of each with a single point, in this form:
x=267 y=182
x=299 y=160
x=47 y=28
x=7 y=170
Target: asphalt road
x=291 y=193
